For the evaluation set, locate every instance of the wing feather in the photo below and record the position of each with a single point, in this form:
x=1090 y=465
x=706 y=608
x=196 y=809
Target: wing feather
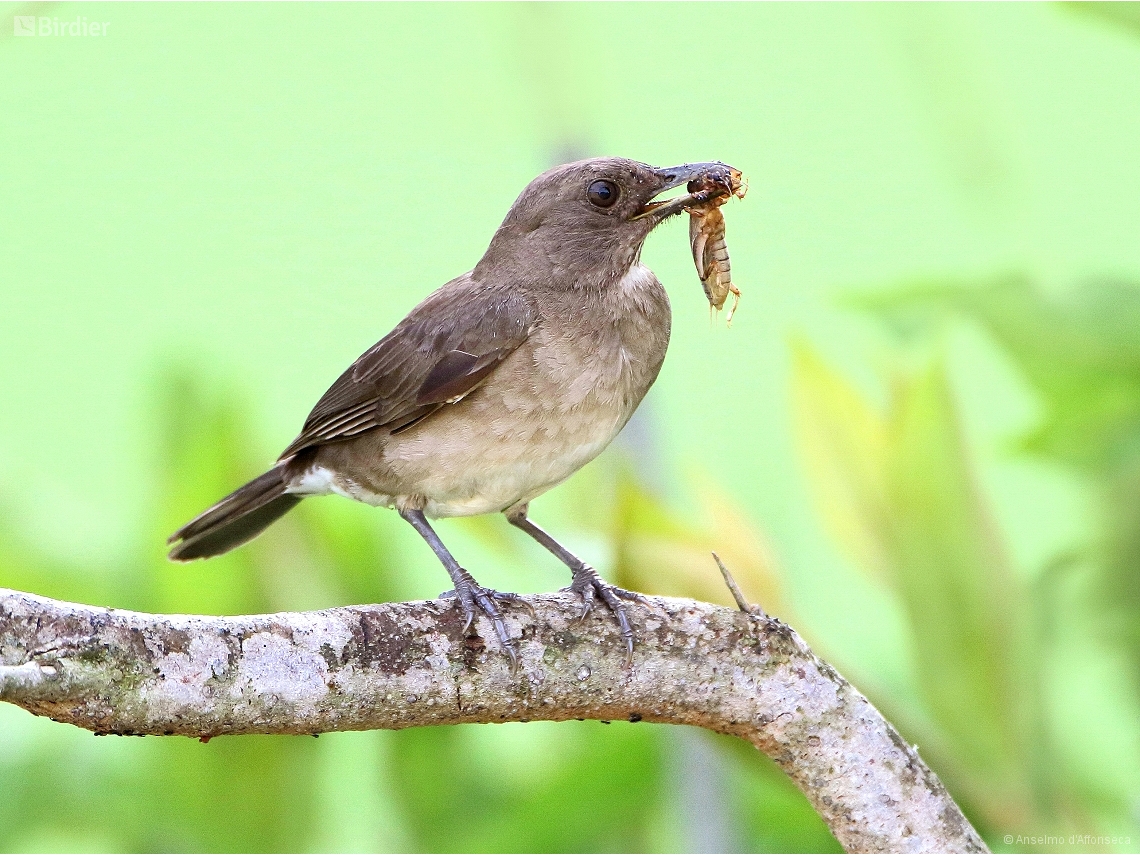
x=444 y=349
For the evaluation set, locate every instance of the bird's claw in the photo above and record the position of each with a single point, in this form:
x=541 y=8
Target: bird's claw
x=515 y=598
x=589 y=586
x=470 y=595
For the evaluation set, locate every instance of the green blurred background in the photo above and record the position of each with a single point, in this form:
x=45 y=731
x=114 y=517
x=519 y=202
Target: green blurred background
x=919 y=442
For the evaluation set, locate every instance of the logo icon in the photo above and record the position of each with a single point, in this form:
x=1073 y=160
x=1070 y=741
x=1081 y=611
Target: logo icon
x=24 y=25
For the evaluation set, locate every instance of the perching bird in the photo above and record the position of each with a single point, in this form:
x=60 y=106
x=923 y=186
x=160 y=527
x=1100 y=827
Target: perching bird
x=497 y=387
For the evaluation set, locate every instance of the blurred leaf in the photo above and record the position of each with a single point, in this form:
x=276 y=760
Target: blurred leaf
x=160 y=795
x=952 y=571
x=900 y=491
x=843 y=442
x=1082 y=353
x=664 y=552
x=589 y=796
x=1123 y=15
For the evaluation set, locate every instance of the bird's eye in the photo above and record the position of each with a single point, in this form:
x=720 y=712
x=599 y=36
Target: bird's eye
x=602 y=193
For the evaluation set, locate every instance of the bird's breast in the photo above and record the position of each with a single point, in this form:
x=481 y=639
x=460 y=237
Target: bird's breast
x=603 y=350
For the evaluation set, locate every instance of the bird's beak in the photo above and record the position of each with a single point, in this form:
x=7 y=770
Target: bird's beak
x=715 y=178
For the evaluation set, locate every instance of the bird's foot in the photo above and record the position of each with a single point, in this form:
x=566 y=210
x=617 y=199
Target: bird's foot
x=589 y=585
x=472 y=596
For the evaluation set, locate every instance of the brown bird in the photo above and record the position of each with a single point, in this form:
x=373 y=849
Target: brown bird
x=497 y=387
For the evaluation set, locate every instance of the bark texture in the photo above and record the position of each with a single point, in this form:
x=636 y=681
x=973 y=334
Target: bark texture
x=401 y=665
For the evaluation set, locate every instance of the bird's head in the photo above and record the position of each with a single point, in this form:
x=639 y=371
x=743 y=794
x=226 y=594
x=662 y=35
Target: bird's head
x=585 y=222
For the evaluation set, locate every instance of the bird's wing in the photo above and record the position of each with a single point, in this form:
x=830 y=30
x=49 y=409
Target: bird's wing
x=445 y=348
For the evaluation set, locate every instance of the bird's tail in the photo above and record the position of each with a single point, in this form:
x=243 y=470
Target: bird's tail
x=239 y=517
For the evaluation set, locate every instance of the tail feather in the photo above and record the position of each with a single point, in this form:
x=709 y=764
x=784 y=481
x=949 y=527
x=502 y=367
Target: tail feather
x=236 y=519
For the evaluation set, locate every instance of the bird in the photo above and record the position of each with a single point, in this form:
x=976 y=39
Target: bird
x=497 y=387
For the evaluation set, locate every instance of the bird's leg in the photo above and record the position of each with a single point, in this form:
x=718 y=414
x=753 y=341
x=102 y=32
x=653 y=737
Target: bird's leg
x=585 y=579
x=468 y=592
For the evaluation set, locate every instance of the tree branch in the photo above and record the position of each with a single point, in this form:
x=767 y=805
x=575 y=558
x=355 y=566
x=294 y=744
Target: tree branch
x=401 y=665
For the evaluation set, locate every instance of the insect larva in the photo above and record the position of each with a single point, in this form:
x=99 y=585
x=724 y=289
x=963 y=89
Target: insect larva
x=710 y=254
x=706 y=234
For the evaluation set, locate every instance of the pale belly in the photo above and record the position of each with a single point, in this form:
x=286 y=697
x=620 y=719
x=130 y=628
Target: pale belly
x=488 y=477
x=449 y=469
